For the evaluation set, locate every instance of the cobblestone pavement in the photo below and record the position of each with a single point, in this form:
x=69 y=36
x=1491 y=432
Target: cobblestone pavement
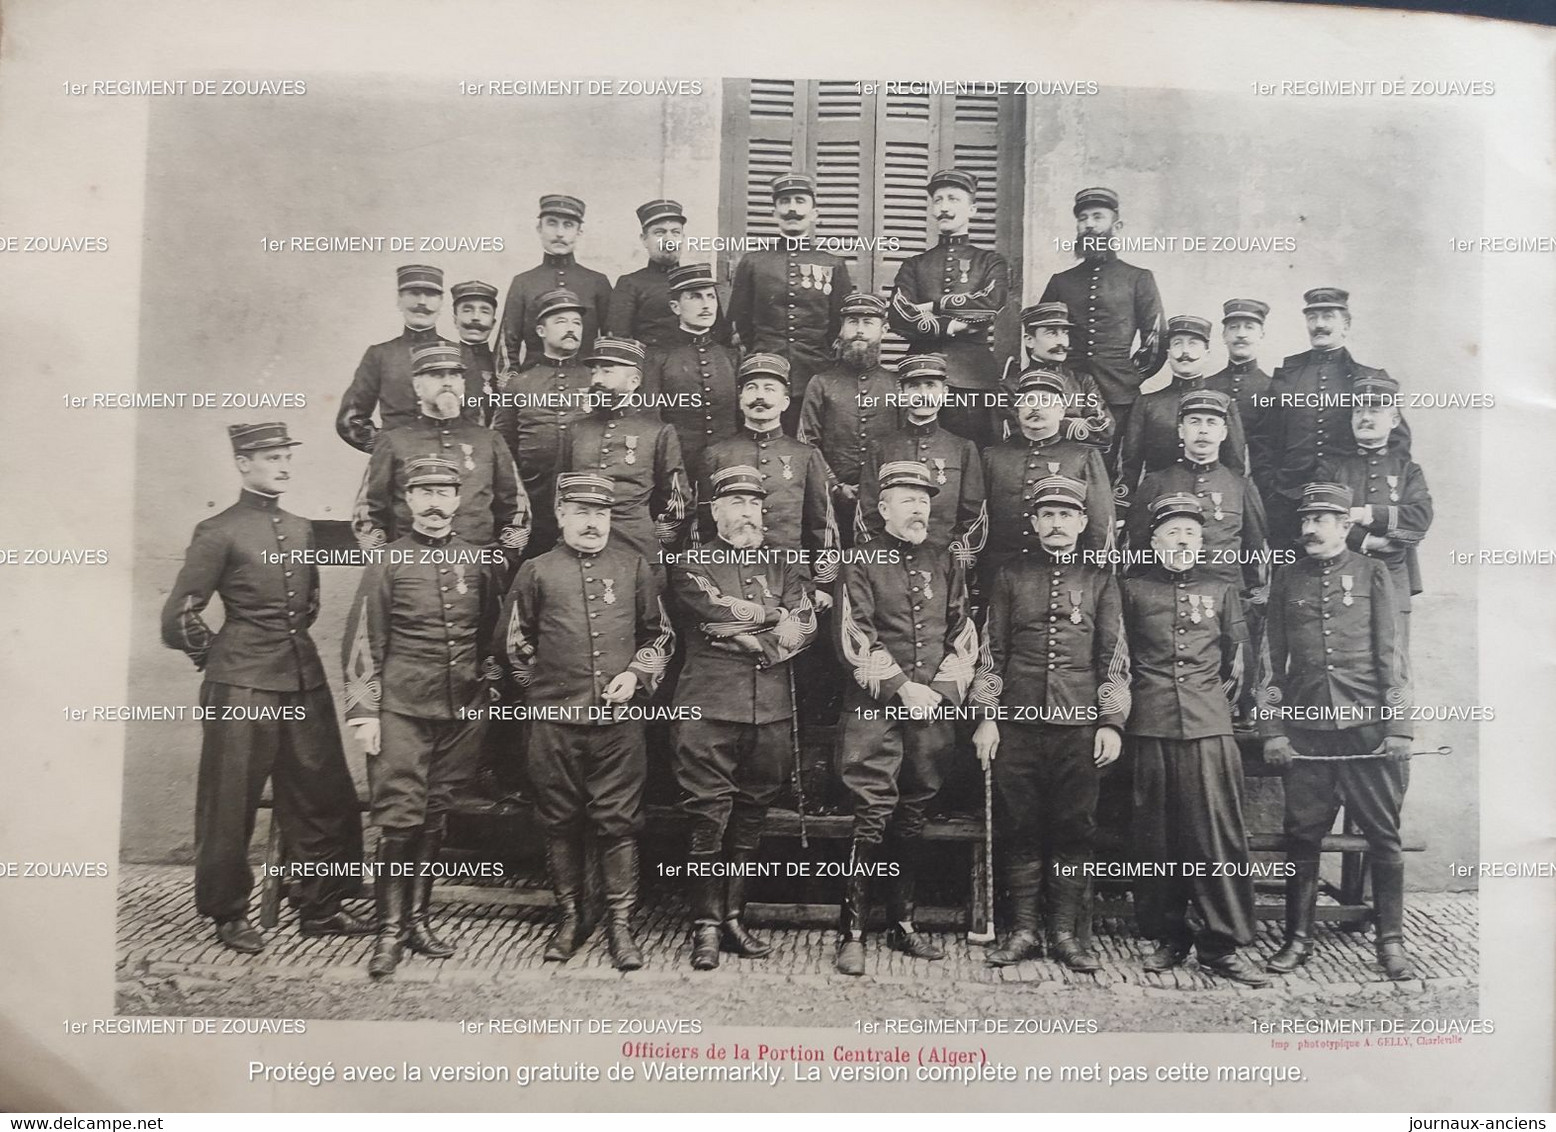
x=169 y=963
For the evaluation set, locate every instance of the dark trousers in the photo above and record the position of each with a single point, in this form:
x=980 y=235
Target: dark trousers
x=421 y=767
x=729 y=774
x=1372 y=791
x=1045 y=791
x=893 y=768
x=315 y=801
x=1188 y=813
x=587 y=776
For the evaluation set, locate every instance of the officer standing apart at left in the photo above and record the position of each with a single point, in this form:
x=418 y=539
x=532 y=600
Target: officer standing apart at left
x=1338 y=720
x=585 y=629
x=417 y=693
x=907 y=637
x=946 y=300
x=788 y=300
x=1187 y=649
x=262 y=658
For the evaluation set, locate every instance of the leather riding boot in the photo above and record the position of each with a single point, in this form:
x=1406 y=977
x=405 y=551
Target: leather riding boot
x=1024 y=879
x=707 y=894
x=1066 y=903
x=391 y=900
x=856 y=906
x=902 y=935
x=564 y=860
x=619 y=862
x=733 y=935
x=1388 y=898
x=1301 y=904
x=419 y=937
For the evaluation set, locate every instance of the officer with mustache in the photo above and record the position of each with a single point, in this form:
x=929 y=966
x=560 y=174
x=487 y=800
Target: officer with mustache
x=788 y=300
x=945 y=301
x=746 y=615
x=1045 y=339
x=640 y=301
x=906 y=635
x=418 y=659
x=382 y=382
x=848 y=405
x=584 y=629
x=519 y=342
x=540 y=405
x=494 y=509
x=475 y=314
x=1242 y=329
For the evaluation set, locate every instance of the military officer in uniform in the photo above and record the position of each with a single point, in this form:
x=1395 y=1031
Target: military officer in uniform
x=1236 y=549
x=788 y=300
x=692 y=373
x=493 y=507
x=906 y=635
x=1116 y=304
x=640 y=301
x=475 y=314
x=540 y=406
x=584 y=629
x=1338 y=720
x=946 y=300
x=1392 y=507
x=797 y=505
x=849 y=404
x=1188 y=650
x=1242 y=329
x=960 y=521
x=1011 y=471
x=1054 y=648
x=418 y=674
x=1151 y=440
x=1309 y=417
x=639 y=453
x=1045 y=336
x=559 y=226
x=746 y=615
x=382 y=382
x=263 y=661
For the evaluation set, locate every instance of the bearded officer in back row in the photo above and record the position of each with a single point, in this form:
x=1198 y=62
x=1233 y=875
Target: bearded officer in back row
x=262 y=662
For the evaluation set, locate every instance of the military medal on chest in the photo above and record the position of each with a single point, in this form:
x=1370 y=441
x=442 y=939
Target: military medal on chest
x=928 y=593
x=609 y=596
x=1348 y=584
x=788 y=466
x=1393 y=488
x=766 y=589
x=1209 y=603
x=1194 y=603
x=939 y=463
x=459 y=578
x=469 y=450
x=1075 y=607
x=965 y=265
x=632 y=448
x=824 y=278
x=1053 y=467
x=1215 y=499
x=805 y=277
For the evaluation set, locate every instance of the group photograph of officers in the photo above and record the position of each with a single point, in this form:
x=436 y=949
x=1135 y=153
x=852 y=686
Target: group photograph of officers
x=676 y=527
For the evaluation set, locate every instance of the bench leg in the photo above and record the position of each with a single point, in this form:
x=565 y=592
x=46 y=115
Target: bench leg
x=981 y=885
x=270 y=878
x=1353 y=880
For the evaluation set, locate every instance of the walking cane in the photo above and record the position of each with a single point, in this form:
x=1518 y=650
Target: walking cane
x=987 y=934
x=799 y=769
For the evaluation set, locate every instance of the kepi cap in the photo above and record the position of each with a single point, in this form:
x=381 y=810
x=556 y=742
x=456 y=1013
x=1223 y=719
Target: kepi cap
x=660 y=210
x=863 y=303
x=1244 y=308
x=1326 y=298
x=691 y=277
x=418 y=276
x=1047 y=314
x=559 y=300
x=560 y=204
x=1189 y=324
x=1171 y=506
x=1059 y=491
x=1333 y=498
x=737 y=479
x=432 y=471
x=438 y=356
x=246 y=438
x=1376 y=389
x=585 y=487
x=473 y=289
x=956 y=178
x=1042 y=380
x=916 y=367
x=764 y=365
x=1205 y=401
x=1096 y=197
x=609 y=351
x=906 y=473
x=793 y=182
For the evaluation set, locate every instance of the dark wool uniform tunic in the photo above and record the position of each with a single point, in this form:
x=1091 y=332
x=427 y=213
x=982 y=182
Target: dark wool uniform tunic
x=640 y=308
x=571 y=624
x=731 y=762
x=797 y=513
x=1337 y=691
x=383 y=382
x=845 y=410
x=417 y=659
x=541 y=404
x=1111 y=301
x=789 y=303
x=1151 y=439
x=1393 y=485
x=1309 y=419
x=641 y=456
x=1249 y=386
x=957 y=516
x=1187 y=649
x=261 y=660
x=481 y=373
x=1235 y=548
x=516 y=332
x=697 y=370
x=964 y=282
x=493 y=507
x=1011 y=472
x=1056 y=659
x=898 y=621
x=1086 y=415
